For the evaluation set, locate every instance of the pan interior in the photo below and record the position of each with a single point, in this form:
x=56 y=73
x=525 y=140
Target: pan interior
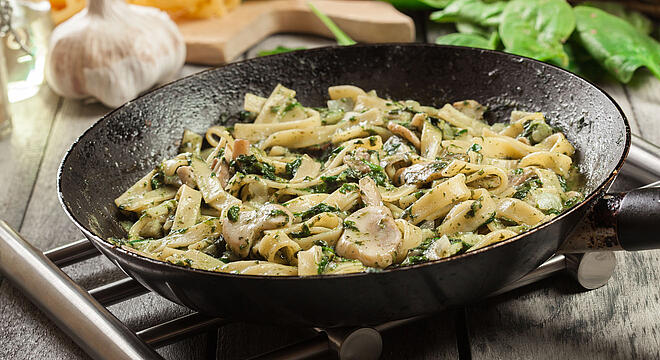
x=129 y=142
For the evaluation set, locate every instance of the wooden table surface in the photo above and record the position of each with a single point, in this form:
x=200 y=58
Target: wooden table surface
x=553 y=319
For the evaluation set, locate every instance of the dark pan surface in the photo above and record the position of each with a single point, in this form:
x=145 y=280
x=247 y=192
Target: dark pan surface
x=127 y=143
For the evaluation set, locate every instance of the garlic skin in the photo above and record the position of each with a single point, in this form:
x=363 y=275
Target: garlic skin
x=113 y=51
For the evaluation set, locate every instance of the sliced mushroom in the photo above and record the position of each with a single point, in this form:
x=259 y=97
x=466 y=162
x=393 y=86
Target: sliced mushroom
x=406 y=133
x=186 y=176
x=356 y=160
x=370 y=234
x=241 y=233
x=421 y=173
x=221 y=170
x=241 y=147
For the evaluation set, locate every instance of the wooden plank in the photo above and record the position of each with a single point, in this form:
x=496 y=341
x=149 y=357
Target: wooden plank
x=644 y=96
x=620 y=95
x=22 y=151
x=556 y=320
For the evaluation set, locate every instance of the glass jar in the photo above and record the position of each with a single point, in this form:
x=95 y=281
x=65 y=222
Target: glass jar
x=32 y=26
x=5 y=119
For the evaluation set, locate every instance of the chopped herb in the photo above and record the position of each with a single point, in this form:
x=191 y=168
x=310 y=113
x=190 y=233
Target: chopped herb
x=290 y=106
x=523 y=189
x=157 y=180
x=562 y=182
x=475 y=148
x=315 y=210
x=304 y=232
x=518 y=171
x=570 y=202
x=476 y=205
x=232 y=213
x=347 y=188
x=292 y=167
x=377 y=173
x=248 y=164
x=460 y=132
x=277 y=212
x=350 y=225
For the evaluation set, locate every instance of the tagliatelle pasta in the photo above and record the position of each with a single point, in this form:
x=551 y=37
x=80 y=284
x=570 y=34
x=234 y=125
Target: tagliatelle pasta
x=364 y=183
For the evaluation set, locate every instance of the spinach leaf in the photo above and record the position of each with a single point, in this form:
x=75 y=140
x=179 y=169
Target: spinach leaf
x=636 y=19
x=472 y=11
x=418 y=4
x=616 y=44
x=537 y=29
x=279 y=50
x=471 y=40
x=438 y=4
x=470 y=28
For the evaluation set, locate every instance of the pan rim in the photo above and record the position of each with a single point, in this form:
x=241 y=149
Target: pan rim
x=597 y=192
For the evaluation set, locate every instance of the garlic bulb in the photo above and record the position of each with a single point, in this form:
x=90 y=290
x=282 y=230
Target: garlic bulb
x=113 y=51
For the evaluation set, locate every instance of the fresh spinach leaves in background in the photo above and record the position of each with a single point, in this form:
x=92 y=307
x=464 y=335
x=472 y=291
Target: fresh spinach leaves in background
x=537 y=29
x=471 y=11
x=639 y=21
x=581 y=39
x=471 y=40
x=616 y=44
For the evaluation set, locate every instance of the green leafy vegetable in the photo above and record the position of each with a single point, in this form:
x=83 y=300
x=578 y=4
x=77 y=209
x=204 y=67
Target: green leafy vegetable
x=537 y=29
x=315 y=210
x=471 y=11
x=471 y=40
x=342 y=38
x=438 y=4
x=292 y=167
x=248 y=164
x=523 y=189
x=279 y=50
x=636 y=19
x=304 y=232
x=232 y=213
x=417 y=4
x=470 y=28
x=616 y=44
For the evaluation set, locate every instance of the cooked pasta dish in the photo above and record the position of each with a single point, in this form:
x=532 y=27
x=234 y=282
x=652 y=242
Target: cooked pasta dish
x=363 y=184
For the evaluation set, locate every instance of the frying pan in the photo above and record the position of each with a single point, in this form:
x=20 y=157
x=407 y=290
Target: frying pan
x=128 y=142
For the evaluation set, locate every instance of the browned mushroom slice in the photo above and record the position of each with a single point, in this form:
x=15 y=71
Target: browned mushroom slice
x=186 y=176
x=370 y=234
x=406 y=133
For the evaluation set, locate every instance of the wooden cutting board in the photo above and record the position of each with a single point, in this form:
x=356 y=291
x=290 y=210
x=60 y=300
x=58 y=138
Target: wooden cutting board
x=218 y=41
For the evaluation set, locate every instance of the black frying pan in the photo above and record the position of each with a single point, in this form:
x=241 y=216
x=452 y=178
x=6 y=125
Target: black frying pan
x=128 y=142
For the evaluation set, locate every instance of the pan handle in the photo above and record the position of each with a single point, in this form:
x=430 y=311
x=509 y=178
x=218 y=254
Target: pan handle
x=620 y=221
